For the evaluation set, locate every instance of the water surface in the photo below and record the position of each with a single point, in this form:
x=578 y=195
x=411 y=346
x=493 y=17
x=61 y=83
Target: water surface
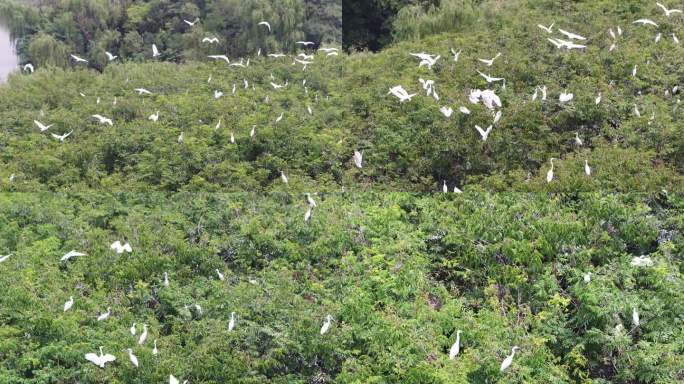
x=8 y=57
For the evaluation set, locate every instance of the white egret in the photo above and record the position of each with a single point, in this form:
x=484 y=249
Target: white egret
x=220 y=275
x=99 y=360
x=231 y=323
x=612 y=34
x=587 y=277
x=641 y=261
x=266 y=24
x=634 y=71
x=220 y=57
x=543 y=91
x=484 y=133
x=497 y=117
x=234 y=88
x=180 y=137
x=565 y=97
x=307 y=214
x=103 y=120
x=217 y=94
x=571 y=35
x=668 y=12
x=69 y=303
x=535 y=94
x=305 y=43
x=636 y=111
x=635 y=317
x=120 y=248
x=587 y=168
x=62 y=137
x=71 y=254
x=166 y=279
x=549 y=174
x=29 y=68
x=252 y=132
x=456 y=54
x=133 y=330
x=555 y=42
x=280 y=117
x=155 y=51
x=310 y=200
x=658 y=37
x=401 y=93
x=173 y=380
x=456 y=347
x=110 y=56
x=284 y=178
x=445 y=189
x=142 y=91
x=490 y=62
x=446 y=111
x=426 y=59
x=154 y=117
x=104 y=316
x=79 y=59
x=326 y=325
x=191 y=23
x=210 y=40
x=457 y=190
x=508 y=360
x=308 y=109
x=328 y=49
x=333 y=54
x=619 y=30
x=578 y=140
x=143 y=335
x=548 y=29
x=132 y=357
x=277 y=55
x=597 y=101
x=464 y=110
x=278 y=86
x=646 y=22
x=42 y=126
x=4 y=258
x=11 y=180
x=675 y=39
x=358 y=159
x=490 y=79
x=218 y=125
x=155 y=351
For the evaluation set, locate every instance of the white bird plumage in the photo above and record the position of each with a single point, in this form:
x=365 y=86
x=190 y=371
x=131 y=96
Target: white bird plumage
x=69 y=303
x=326 y=324
x=508 y=360
x=71 y=254
x=549 y=173
x=120 y=248
x=4 y=258
x=132 y=357
x=105 y=315
x=358 y=159
x=143 y=335
x=456 y=347
x=101 y=359
x=548 y=29
x=61 y=138
x=220 y=275
x=570 y=35
x=79 y=59
x=646 y=22
x=103 y=119
x=484 y=133
x=155 y=51
x=668 y=12
x=266 y=24
x=587 y=168
x=210 y=40
x=42 y=126
x=490 y=62
x=401 y=93
x=231 y=323
x=110 y=56
x=220 y=57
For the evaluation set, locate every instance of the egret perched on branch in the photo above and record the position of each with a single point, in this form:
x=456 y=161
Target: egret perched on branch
x=155 y=51
x=154 y=117
x=132 y=357
x=42 y=126
x=578 y=141
x=668 y=12
x=307 y=214
x=358 y=159
x=508 y=360
x=548 y=29
x=490 y=62
x=100 y=360
x=587 y=169
x=464 y=110
x=456 y=347
x=231 y=323
x=445 y=189
x=133 y=330
x=69 y=303
x=166 y=279
x=71 y=254
x=284 y=178
x=62 y=137
x=155 y=351
x=105 y=315
x=326 y=325
x=310 y=200
x=143 y=335
x=549 y=174
x=635 y=317
x=597 y=101
x=220 y=275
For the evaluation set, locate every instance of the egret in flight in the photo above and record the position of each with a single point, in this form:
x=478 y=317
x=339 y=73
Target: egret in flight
x=105 y=315
x=71 y=254
x=210 y=40
x=490 y=62
x=548 y=29
x=456 y=54
x=191 y=23
x=29 y=68
x=103 y=120
x=79 y=59
x=62 y=137
x=305 y=43
x=326 y=325
x=5 y=257
x=571 y=35
x=358 y=159
x=668 y=12
x=132 y=357
x=142 y=91
x=231 y=323
x=120 y=248
x=646 y=22
x=484 y=133
x=110 y=57
x=456 y=347
x=509 y=359
x=446 y=111
x=42 y=126
x=549 y=174
x=490 y=79
x=220 y=57
x=266 y=24
x=401 y=93
x=69 y=303
x=426 y=59
x=641 y=261
x=99 y=360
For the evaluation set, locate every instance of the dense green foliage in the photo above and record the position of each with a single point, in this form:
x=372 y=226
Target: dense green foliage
x=129 y=28
x=514 y=260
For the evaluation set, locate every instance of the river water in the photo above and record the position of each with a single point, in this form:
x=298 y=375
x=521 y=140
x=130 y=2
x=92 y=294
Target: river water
x=8 y=58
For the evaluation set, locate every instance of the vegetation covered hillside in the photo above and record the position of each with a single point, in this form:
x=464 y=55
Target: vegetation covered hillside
x=310 y=216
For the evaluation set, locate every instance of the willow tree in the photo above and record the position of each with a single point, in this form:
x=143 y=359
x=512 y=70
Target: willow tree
x=45 y=50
